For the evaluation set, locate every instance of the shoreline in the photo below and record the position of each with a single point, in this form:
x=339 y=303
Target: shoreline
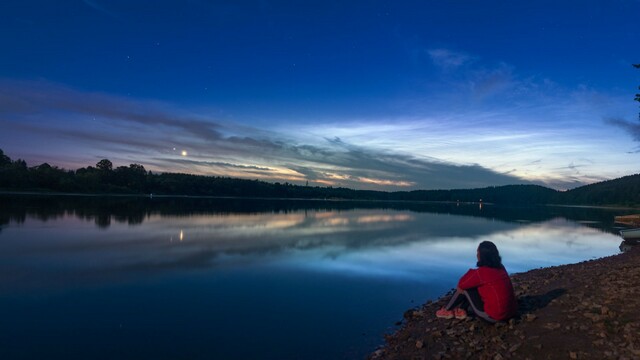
x=587 y=310
x=182 y=196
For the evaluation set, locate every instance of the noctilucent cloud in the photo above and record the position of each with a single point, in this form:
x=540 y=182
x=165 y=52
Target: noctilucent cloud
x=386 y=95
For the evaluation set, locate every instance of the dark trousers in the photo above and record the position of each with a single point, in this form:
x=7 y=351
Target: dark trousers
x=469 y=300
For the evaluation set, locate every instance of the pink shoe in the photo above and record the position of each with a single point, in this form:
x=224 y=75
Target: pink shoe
x=459 y=313
x=444 y=314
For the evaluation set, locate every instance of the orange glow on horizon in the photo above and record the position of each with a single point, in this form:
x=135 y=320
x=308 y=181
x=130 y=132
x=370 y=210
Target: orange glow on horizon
x=386 y=182
x=384 y=218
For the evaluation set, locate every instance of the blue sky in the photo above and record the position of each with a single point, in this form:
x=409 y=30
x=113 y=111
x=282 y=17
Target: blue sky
x=366 y=94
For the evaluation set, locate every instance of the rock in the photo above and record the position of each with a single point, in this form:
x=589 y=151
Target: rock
x=530 y=317
x=514 y=348
x=573 y=355
x=419 y=344
x=553 y=326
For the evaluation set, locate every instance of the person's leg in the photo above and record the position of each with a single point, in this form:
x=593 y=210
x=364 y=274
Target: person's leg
x=458 y=299
x=476 y=304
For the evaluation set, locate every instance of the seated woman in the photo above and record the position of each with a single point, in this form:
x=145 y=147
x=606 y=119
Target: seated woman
x=487 y=290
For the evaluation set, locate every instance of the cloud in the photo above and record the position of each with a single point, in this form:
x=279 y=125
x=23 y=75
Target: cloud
x=364 y=163
x=486 y=82
x=42 y=99
x=153 y=134
x=448 y=59
x=632 y=128
x=218 y=164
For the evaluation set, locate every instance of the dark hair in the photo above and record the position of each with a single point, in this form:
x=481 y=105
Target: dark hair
x=488 y=255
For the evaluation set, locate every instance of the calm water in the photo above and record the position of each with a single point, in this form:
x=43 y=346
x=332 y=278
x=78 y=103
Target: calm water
x=179 y=278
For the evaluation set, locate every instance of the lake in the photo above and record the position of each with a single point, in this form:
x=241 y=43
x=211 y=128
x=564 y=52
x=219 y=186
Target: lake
x=86 y=277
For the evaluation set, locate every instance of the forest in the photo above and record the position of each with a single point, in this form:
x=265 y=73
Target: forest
x=103 y=178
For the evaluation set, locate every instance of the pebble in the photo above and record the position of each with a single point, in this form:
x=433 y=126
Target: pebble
x=552 y=326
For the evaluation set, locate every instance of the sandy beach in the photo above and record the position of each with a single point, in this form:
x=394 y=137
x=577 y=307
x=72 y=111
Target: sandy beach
x=587 y=310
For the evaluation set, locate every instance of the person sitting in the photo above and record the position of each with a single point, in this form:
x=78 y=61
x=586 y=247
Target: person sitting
x=487 y=290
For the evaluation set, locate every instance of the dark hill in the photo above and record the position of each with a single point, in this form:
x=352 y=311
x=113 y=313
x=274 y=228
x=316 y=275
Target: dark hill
x=621 y=191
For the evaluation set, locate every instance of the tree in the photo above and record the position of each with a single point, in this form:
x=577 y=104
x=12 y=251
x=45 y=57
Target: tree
x=104 y=165
x=637 y=66
x=4 y=159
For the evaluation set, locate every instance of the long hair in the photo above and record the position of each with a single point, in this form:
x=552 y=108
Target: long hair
x=488 y=255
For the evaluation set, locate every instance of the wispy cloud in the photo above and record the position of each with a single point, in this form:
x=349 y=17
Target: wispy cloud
x=486 y=82
x=632 y=128
x=125 y=130
x=448 y=59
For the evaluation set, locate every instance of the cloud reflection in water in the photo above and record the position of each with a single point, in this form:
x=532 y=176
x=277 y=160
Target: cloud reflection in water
x=403 y=245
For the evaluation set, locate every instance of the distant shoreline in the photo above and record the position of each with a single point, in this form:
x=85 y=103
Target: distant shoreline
x=36 y=193
x=165 y=196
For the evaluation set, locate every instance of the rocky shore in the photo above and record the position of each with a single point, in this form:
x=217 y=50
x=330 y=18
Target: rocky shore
x=589 y=310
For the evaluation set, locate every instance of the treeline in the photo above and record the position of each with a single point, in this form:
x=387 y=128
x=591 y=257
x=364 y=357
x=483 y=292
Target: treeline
x=621 y=191
x=135 y=179
x=106 y=210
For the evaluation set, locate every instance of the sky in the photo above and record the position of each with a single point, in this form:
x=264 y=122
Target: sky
x=383 y=95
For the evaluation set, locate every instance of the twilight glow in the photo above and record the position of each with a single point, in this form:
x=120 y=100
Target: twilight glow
x=363 y=94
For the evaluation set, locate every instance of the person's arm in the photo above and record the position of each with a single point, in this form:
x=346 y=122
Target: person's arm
x=470 y=280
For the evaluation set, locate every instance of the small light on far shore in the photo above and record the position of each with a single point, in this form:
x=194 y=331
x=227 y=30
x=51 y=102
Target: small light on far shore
x=184 y=153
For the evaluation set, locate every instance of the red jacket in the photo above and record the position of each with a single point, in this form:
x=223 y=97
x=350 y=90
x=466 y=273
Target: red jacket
x=495 y=288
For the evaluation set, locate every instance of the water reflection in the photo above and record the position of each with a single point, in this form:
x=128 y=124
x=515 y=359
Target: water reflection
x=133 y=211
x=366 y=242
x=229 y=262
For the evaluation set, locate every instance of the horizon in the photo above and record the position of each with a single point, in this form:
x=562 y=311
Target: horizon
x=365 y=95
x=284 y=182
